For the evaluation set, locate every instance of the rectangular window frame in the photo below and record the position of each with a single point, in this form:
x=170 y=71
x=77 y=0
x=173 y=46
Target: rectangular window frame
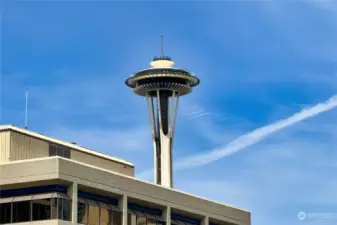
x=58 y=150
x=60 y=197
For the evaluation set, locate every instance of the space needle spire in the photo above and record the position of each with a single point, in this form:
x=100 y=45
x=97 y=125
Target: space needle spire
x=162 y=45
x=162 y=85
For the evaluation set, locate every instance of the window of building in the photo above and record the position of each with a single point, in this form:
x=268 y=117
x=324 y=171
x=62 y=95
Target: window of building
x=34 y=207
x=177 y=219
x=53 y=208
x=56 y=150
x=21 y=211
x=82 y=213
x=141 y=215
x=222 y=223
x=141 y=220
x=93 y=215
x=5 y=213
x=94 y=212
x=105 y=217
x=131 y=219
x=63 y=209
x=151 y=221
x=66 y=153
x=52 y=150
x=117 y=218
x=41 y=209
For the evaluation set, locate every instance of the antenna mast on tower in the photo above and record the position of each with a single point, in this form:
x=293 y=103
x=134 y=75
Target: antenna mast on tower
x=162 y=45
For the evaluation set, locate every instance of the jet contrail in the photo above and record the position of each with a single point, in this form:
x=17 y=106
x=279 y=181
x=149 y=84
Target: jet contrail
x=252 y=137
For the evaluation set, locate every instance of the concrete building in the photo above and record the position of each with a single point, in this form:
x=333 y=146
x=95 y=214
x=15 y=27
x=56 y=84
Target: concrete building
x=47 y=181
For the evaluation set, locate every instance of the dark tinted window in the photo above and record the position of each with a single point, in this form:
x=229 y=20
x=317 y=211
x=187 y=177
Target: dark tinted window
x=59 y=151
x=66 y=153
x=82 y=213
x=55 y=150
x=117 y=218
x=151 y=221
x=66 y=209
x=52 y=150
x=41 y=209
x=5 y=213
x=21 y=211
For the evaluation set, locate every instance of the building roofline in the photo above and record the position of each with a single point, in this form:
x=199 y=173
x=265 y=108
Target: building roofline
x=64 y=143
x=126 y=176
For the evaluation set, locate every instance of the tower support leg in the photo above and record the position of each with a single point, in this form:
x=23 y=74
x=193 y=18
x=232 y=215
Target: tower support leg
x=163 y=119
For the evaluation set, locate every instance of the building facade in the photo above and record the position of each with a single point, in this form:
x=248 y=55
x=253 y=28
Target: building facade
x=47 y=181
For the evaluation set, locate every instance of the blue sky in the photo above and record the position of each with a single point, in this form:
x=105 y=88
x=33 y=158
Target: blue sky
x=258 y=62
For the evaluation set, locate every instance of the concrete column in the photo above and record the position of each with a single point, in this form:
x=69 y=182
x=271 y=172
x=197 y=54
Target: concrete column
x=167 y=215
x=205 y=221
x=166 y=162
x=133 y=219
x=72 y=193
x=124 y=208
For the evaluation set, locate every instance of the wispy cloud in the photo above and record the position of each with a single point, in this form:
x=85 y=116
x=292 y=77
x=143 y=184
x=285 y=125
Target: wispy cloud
x=255 y=136
x=197 y=114
x=250 y=138
x=328 y=5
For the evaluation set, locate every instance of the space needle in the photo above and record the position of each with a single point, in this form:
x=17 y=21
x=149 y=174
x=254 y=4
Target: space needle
x=162 y=85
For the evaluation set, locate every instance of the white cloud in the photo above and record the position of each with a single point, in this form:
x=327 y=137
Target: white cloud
x=255 y=136
x=327 y=5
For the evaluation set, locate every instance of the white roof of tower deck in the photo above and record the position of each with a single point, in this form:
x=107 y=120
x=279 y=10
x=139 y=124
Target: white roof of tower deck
x=64 y=143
